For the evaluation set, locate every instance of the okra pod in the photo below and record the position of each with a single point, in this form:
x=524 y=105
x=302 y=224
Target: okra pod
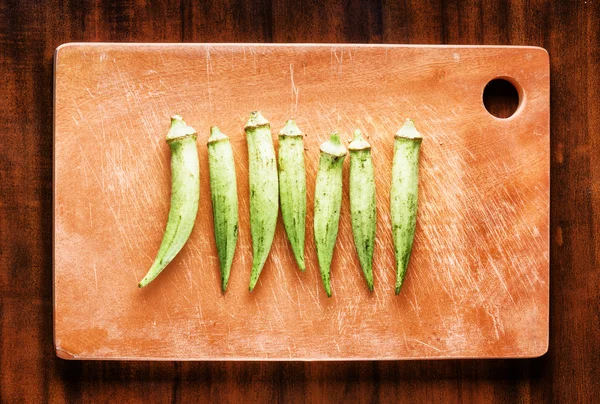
x=292 y=188
x=404 y=195
x=185 y=193
x=264 y=191
x=223 y=192
x=328 y=200
x=362 y=203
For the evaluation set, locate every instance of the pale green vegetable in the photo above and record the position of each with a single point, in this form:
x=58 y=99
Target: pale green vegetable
x=404 y=195
x=362 y=203
x=328 y=201
x=292 y=188
x=264 y=191
x=223 y=192
x=185 y=193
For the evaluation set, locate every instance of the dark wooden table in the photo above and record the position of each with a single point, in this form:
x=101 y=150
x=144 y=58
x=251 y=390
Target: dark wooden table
x=31 y=30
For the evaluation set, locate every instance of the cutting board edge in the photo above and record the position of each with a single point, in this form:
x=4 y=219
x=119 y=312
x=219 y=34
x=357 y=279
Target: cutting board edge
x=66 y=45
x=64 y=354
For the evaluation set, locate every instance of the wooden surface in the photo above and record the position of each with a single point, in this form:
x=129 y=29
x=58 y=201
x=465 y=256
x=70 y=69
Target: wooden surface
x=29 y=369
x=478 y=281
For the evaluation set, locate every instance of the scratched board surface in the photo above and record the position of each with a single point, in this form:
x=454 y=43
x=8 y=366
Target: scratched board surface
x=477 y=284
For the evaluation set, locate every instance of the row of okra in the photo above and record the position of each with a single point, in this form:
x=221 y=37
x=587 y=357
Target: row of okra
x=282 y=183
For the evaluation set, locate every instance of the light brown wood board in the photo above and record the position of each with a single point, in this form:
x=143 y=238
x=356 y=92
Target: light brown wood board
x=477 y=284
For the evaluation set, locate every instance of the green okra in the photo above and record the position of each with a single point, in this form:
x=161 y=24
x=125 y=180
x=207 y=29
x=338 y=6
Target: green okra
x=223 y=192
x=185 y=193
x=328 y=201
x=404 y=195
x=264 y=191
x=362 y=203
x=292 y=188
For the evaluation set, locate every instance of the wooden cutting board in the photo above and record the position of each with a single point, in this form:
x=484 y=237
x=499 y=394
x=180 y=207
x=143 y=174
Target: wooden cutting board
x=477 y=284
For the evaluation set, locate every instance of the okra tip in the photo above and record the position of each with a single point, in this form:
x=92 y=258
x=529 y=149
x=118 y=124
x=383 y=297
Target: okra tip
x=290 y=129
x=179 y=129
x=409 y=131
x=147 y=279
x=301 y=264
x=256 y=119
x=224 y=285
x=358 y=143
x=334 y=146
x=399 y=283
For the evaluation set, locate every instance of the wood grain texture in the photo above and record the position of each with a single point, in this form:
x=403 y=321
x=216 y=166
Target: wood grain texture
x=478 y=282
x=29 y=369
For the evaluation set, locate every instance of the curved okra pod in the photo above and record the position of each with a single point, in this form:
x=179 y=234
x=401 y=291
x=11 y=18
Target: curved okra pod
x=362 y=203
x=292 y=188
x=404 y=195
x=185 y=193
x=328 y=200
x=223 y=192
x=264 y=191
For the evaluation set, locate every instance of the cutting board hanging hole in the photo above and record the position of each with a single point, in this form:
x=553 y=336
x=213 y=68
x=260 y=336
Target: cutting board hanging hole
x=501 y=97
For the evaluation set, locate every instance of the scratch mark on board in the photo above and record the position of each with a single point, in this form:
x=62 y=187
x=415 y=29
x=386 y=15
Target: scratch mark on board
x=209 y=70
x=427 y=345
x=95 y=275
x=295 y=93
